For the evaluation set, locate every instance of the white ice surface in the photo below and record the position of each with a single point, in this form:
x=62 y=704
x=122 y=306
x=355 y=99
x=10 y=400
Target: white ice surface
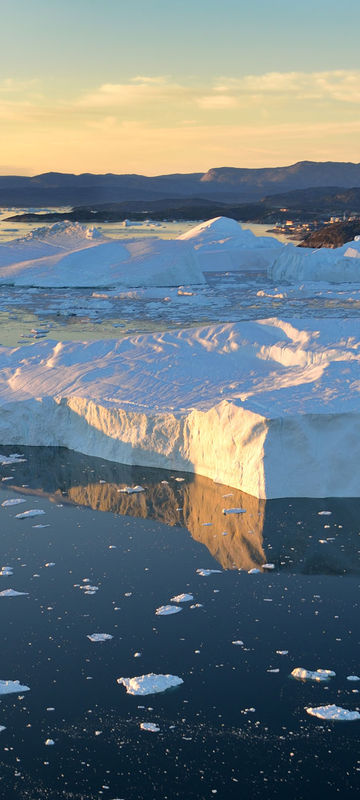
x=223 y=244
x=182 y=598
x=333 y=713
x=32 y=512
x=318 y=675
x=247 y=404
x=14 y=501
x=149 y=726
x=150 y=683
x=338 y=265
x=12 y=687
x=99 y=637
x=12 y=593
x=165 y=611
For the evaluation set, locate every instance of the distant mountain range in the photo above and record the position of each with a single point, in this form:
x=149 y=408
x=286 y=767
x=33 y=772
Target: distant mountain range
x=221 y=185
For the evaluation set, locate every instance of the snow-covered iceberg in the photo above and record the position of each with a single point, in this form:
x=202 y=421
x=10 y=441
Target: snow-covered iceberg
x=333 y=713
x=318 y=675
x=67 y=254
x=223 y=244
x=150 y=684
x=12 y=687
x=338 y=265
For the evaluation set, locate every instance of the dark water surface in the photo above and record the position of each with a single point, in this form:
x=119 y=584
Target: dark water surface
x=232 y=729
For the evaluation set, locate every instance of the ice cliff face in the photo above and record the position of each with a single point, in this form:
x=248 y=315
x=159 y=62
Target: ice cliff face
x=340 y=265
x=269 y=407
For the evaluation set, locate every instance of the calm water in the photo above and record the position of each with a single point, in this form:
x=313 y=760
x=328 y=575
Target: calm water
x=233 y=728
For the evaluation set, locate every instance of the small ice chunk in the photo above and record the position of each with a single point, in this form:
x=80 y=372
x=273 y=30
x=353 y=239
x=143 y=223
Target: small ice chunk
x=324 y=513
x=180 y=480
x=353 y=678
x=268 y=566
x=205 y=572
x=50 y=564
x=13 y=458
x=164 y=611
x=334 y=713
x=282 y=652
x=41 y=526
x=99 y=637
x=150 y=683
x=132 y=489
x=2 y=728
x=14 y=501
x=196 y=605
x=273 y=670
x=149 y=726
x=12 y=687
x=237 y=642
x=312 y=675
x=181 y=598
x=12 y=593
x=49 y=742
x=137 y=654
x=253 y=571
x=234 y=511
x=5 y=572
x=33 y=512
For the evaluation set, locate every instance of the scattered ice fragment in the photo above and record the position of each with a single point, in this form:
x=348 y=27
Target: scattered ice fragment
x=164 y=611
x=5 y=572
x=312 y=675
x=253 y=571
x=15 y=501
x=99 y=637
x=137 y=655
x=12 y=593
x=332 y=712
x=282 y=652
x=182 y=598
x=353 y=678
x=234 y=511
x=268 y=566
x=324 y=513
x=132 y=489
x=33 y=512
x=273 y=670
x=50 y=564
x=13 y=458
x=196 y=605
x=49 y=742
x=180 y=480
x=205 y=572
x=149 y=726
x=150 y=683
x=165 y=482
x=2 y=728
x=41 y=526
x=238 y=642
x=11 y=687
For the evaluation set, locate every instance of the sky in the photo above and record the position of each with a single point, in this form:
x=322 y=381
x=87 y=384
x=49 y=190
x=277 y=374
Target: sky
x=177 y=86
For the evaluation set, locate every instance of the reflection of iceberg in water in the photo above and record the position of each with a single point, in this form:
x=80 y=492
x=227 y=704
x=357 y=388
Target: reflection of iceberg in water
x=290 y=533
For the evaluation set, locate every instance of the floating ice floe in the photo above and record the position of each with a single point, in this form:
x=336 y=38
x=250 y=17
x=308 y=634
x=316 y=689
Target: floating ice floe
x=282 y=652
x=149 y=726
x=312 y=675
x=33 y=512
x=333 y=713
x=237 y=642
x=12 y=687
x=12 y=593
x=206 y=572
x=50 y=564
x=132 y=489
x=182 y=598
x=353 y=678
x=13 y=458
x=254 y=571
x=150 y=683
x=164 y=611
x=324 y=513
x=49 y=742
x=99 y=637
x=5 y=572
x=268 y=566
x=2 y=728
x=234 y=511
x=15 y=501
x=41 y=526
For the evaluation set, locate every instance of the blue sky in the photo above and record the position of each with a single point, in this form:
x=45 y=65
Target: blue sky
x=57 y=57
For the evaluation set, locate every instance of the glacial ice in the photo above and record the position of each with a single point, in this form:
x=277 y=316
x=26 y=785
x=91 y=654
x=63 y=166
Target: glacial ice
x=99 y=637
x=318 y=675
x=150 y=683
x=149 y=726
x=338 y=265
x=12 y=593
x=12 y=687
x=333 y=713
x=182 y=598
x=14 y=501
x=33 y=512
x=165 y=611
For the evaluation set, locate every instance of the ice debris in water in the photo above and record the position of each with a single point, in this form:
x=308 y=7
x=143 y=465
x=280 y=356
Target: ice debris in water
x=181 y=598
x=205 y=572
x=41 y=526
x=5 y=572
x=14 y=501
x=13 y=458
x=353 y=678
x=49 y=742
x=282 y=652
x=268 y=566
x=99 y=637
x=238 y=642
x=312 y=675
x=150 y=683
x=149 y=726
x=234 y=511
x=164 y=611
x=332 y=712
x=132 y=489
x=324 y=513
x=33 y=512
x=50 y=564
x=2 y=728
x=253 y=571
x=12 y=593
x=12 y=687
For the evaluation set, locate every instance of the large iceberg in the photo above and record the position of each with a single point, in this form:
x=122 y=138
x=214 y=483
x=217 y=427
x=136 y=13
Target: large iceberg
x=223 y=244
x=338 y=265
x=270 y=407
x=150 y=684
x=68 y=254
